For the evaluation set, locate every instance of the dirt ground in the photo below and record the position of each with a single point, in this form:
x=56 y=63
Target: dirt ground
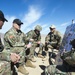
x=40 y=66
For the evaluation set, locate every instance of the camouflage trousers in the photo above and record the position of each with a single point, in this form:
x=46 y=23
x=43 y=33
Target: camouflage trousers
x=32 y=50
x=5 y=68
x=52 y=52
x=20 y=51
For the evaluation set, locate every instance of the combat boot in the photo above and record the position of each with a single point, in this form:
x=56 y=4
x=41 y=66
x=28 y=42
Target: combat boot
x=29 y=64
x=40 y=56
x=23 y=70
x=45 y=58
x=53 y=61
x=32 y=59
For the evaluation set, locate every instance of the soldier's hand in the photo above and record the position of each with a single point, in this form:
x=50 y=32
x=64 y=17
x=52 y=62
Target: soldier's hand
x=38 y=42
x=14 y=57
x=31 y=40
x=29 y=45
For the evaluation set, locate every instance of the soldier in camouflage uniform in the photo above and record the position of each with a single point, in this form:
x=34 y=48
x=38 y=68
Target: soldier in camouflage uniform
x=34 y=37
x=15 y=41
x=6 y=56
x=66 y=54
x=53 y=39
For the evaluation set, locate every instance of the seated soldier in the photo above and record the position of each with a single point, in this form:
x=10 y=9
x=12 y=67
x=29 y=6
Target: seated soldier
x=67 y=54
x=34 y=37
x=15 y=41
x=5 y=56
x=52 y=40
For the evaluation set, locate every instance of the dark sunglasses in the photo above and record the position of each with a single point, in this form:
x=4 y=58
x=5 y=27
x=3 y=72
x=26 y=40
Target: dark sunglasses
x=51 y=28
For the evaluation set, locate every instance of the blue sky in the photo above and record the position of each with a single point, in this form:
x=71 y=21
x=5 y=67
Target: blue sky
x=42 y=12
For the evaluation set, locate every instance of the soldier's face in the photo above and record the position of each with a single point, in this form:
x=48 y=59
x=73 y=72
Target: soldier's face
x=52 y=29
x=1 y=24
x=17 y=27
x=37 y=32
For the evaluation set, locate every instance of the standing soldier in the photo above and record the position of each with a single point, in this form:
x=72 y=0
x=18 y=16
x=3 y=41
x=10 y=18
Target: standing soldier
x=15 y=40
x=6 y=56
x=53 y=39
x=34 y=37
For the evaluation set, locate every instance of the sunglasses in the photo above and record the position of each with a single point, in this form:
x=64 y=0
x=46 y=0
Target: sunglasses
x=52 y=28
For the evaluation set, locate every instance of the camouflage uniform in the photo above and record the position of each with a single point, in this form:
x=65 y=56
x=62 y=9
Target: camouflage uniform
x=15 y=42
x=67 y=55
x=54 y=39
x=5 y=68
x=36 y=37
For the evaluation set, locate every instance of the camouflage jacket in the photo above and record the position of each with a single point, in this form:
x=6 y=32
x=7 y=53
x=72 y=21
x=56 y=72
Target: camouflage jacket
x=1 y=46
x=5 y=68
x=13 y=38
x=54 y=37
x=4 y=55
x=32 y=35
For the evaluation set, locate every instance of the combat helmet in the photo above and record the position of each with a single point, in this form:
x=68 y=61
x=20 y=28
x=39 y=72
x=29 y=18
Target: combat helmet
x=38 y=27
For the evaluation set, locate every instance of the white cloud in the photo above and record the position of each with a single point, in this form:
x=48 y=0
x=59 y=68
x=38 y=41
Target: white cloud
x=28 y=19
x=55 y=9
x=31 y=17
x=45 y=29
x=64 y=24
x=7 y=25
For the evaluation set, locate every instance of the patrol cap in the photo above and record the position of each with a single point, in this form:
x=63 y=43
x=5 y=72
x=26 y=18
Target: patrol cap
x=52 y=26
x=17 y=21
x=38 y=27
x=2 y=18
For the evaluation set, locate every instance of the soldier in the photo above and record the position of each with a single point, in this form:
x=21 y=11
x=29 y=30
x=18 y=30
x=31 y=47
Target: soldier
x=6 y=56
x=34 y=37
x=15 y=41
x=67 y=54
x=53 y=40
